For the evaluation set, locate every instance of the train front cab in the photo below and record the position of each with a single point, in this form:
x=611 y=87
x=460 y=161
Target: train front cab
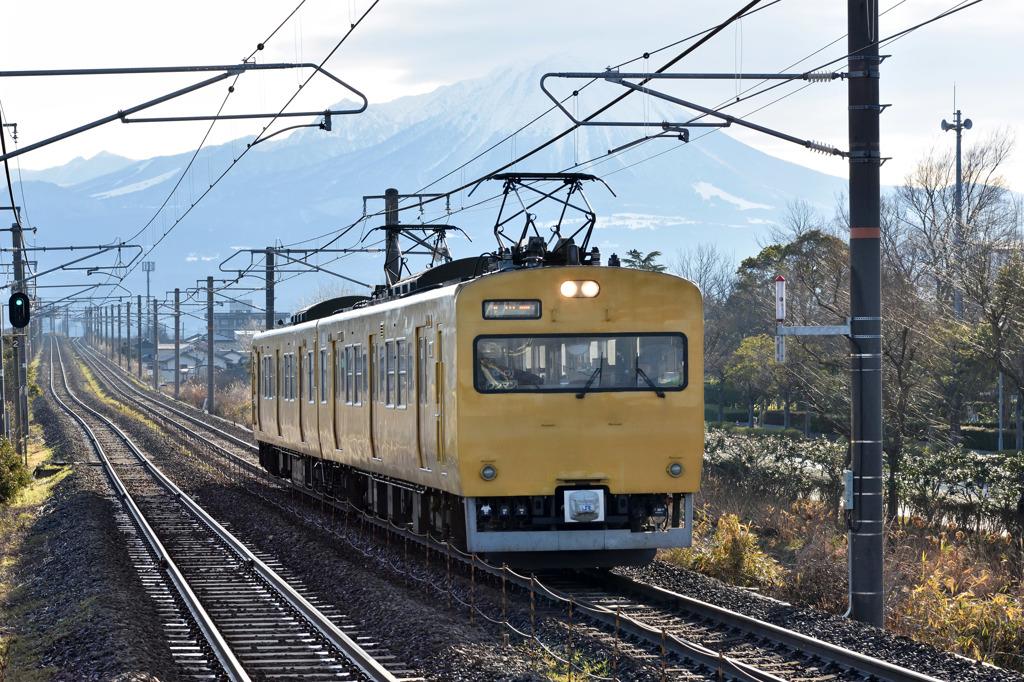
x=580 y=419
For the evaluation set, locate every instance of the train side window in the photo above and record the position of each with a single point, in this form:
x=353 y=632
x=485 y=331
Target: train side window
x=388 y=372
x=323 y=375
x=359 y=378
x=378 y=394
x=348 y=375
x=268 y=377
x=282 y=376
x=310 y=374
x=292 y=377
x=402 y=388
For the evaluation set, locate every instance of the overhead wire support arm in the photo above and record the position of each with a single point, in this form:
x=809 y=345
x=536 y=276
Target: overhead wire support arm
x=65 y=266
x=228 y=72
x=619 y=78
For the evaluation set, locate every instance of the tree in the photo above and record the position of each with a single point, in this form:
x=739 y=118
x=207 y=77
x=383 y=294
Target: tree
x=752 y=370
x=636 y=259
x=713 y=273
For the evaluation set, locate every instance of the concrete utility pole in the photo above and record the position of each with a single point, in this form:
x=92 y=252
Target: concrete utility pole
x=20 y=354
x=4 y=427
x=156 y=352
x=393 y=255
x=138 y=304
x=209 y=344
x=270 y=288
x=120 y=350
x=177 y=342
x=865 y=519
x=128 y=335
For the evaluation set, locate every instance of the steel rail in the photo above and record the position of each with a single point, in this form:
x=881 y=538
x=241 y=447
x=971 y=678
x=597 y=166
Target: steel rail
x=232 y=667
x=356 y=655
x=882 y=670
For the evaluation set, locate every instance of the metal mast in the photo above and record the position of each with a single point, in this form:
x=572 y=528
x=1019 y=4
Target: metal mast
x=865 y=519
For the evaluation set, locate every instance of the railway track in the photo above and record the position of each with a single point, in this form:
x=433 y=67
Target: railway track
x=696 y=638
x=686 y=624
x=228 y=613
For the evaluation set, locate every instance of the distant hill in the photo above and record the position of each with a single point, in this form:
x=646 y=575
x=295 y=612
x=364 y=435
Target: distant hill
x=309 y=185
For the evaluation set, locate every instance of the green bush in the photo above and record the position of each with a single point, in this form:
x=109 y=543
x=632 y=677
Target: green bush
x=14 y=475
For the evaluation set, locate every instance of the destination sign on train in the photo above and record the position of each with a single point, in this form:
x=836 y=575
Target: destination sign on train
x=512 y=310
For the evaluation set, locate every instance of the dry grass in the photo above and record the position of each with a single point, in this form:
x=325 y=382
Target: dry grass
x=958 y=590
x=233 y=401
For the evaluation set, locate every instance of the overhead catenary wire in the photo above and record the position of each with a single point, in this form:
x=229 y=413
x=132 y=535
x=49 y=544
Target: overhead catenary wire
x=258 y=137
x=335 y=235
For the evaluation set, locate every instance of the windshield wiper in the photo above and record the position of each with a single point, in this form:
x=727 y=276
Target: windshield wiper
x=643 y=375
x=590 y=381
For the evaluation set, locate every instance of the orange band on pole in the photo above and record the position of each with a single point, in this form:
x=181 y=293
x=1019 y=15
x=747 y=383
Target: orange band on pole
x=865 y=233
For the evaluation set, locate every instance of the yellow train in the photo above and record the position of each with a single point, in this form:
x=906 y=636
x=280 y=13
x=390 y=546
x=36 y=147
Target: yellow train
x=539 y=416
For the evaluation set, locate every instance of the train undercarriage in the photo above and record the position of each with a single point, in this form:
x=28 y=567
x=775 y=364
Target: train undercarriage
x=523 y=531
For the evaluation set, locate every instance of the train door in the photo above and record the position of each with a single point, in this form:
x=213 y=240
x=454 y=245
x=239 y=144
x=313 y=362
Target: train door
x=426 y=404
x=325 y=394
x=256 y=397
x=300 y=354
x=439 y=395
x=373 y=397
x=279 y=396
x=339 y=385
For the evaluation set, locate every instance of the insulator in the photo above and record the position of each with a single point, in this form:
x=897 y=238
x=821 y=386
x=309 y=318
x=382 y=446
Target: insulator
x=821 y=147
x=819 y=76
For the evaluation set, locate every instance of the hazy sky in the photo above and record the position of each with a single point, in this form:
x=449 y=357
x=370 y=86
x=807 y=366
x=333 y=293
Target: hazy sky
x=409 y=47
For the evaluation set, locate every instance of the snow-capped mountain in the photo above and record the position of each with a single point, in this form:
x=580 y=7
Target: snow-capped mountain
x=309 y=185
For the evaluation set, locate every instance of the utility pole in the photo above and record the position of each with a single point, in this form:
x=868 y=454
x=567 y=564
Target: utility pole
x=20 y=354
x=138 y=304
x=393 y=252
x=864 y=520
x=4 y=428
x=120 y=351
x=270 y=289
x=177 y=342
x=112 y=319
x=128 y=334
x=156 y=353
x=209 y=344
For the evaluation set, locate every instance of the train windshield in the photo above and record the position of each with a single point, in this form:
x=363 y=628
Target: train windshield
x=590 y=362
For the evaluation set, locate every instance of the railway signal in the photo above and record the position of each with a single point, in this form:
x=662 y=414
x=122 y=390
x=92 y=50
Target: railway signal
x=18 y=310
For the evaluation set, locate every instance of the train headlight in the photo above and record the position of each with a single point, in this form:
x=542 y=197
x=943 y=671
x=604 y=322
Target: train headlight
x=580 y=288
x=675 y=469
x=488 y=473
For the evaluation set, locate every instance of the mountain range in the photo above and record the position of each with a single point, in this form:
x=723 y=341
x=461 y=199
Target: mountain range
x=301 y=190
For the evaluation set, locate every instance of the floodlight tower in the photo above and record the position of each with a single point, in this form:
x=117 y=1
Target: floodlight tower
x=148 y=266
x=959 y=125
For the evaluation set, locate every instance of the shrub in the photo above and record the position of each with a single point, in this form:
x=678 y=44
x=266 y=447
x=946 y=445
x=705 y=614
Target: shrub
x=234 y=402
x=731 y=554
x=14 y=475
x=950 y=610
